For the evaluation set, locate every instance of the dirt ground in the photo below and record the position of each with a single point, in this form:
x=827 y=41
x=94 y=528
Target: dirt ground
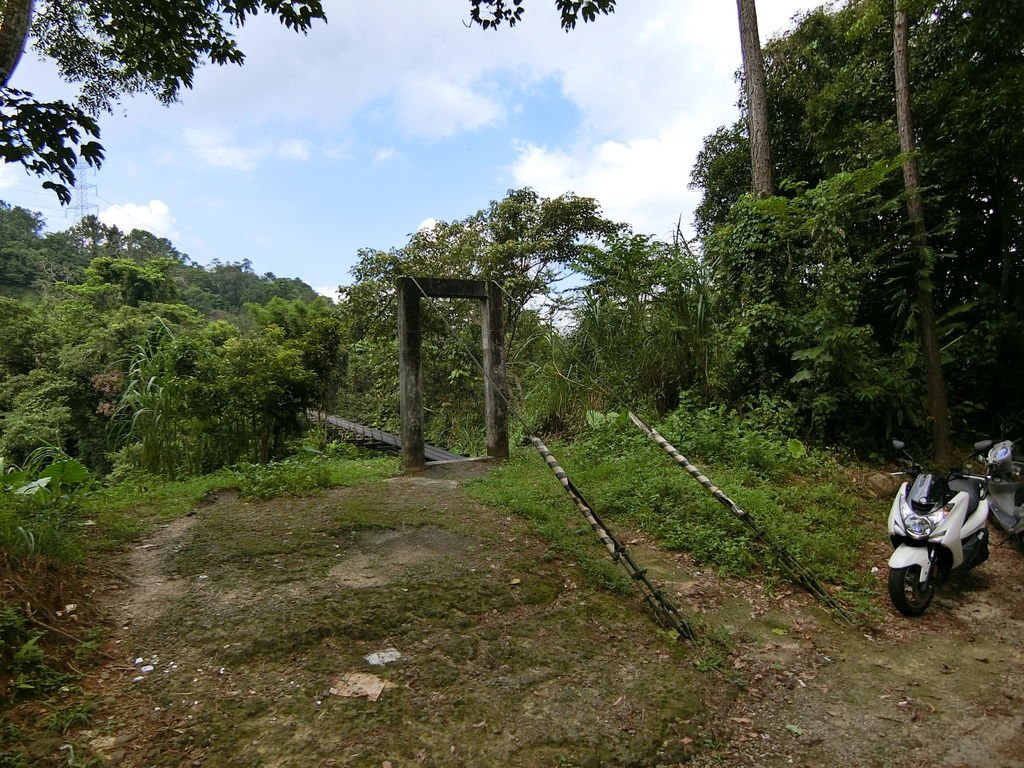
x=241 y=634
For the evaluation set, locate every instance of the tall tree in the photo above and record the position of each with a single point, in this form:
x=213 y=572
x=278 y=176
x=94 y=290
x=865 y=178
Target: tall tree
x=757 y=99
x=15 y=18
x=938 y=408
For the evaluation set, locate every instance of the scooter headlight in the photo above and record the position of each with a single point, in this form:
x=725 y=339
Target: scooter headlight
x=917 y=526
x=922 y=526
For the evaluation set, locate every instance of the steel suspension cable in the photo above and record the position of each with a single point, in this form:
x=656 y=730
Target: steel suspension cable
x=659 y=604
x=799 y=572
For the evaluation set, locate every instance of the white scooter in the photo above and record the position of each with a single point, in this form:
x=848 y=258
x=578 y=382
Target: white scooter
x=938 y=526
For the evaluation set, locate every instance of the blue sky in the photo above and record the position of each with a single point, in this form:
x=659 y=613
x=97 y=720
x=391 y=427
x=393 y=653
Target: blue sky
x=393 y=114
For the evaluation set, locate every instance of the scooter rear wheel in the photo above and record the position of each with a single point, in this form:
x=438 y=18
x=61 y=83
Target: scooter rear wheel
x=906 y=593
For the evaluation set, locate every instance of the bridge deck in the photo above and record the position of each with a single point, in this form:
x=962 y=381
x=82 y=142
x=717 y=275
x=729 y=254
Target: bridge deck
x=384 y=439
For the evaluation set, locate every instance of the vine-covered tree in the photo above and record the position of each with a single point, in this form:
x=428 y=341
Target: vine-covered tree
x=938 y=410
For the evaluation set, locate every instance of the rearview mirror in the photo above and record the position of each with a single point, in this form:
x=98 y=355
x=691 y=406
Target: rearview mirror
x=899 y=445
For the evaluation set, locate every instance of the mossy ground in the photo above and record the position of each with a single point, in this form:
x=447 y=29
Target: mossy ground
x=510 y=656
x=521 y=646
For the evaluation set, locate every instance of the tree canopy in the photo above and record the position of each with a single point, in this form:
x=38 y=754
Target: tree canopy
x=491 y=14
x=832 y=118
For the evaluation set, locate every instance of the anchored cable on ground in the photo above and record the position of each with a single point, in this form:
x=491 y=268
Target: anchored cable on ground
x=663 y=608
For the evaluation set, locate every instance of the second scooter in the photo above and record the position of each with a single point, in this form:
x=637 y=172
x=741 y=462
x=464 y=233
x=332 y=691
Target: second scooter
x=1006 y=488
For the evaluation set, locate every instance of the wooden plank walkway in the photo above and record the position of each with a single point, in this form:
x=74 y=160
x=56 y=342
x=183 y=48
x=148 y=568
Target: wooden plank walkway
x=381 y=438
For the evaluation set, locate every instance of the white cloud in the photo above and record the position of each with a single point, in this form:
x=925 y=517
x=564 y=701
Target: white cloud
x=438 y=106
x=217 y=148
x=294 y=149
x=342 y=150
x=630 y=75
x=427 y=224
x=384 y=154
x=646 y=108
x=627 y=72
x=648 y=83
x=418 y=61
x=642 y=181
x=329 y=291
x=154 y=217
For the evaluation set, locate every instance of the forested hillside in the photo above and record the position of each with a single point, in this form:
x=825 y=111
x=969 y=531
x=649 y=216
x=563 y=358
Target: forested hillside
x=119 y=351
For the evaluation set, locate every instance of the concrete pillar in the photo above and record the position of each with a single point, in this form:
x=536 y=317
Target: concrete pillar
x=410 y=361
x=410 y=375
x=492 y=326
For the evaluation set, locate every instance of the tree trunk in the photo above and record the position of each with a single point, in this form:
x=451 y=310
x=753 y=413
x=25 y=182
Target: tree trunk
x=15 y=18
x=757 y=99
x=938 y=409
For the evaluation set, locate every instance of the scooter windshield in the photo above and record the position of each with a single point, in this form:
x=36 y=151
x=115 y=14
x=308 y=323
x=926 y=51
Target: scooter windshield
x=927 y=492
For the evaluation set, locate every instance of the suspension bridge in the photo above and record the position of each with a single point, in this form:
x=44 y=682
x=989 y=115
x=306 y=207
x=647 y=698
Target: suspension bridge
x=372 y=437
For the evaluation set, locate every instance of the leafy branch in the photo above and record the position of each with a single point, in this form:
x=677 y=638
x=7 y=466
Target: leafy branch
x=47 y=138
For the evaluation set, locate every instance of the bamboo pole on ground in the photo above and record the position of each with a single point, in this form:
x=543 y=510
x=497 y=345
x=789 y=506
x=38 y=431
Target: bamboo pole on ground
x=659 y=604
x=800 y=573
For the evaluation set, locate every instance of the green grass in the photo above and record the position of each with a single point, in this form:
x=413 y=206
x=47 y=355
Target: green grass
x=300 y=476
x=803 y=501
x=524 y=485
x=27 y=530
x=124 y=511
x=75 y=713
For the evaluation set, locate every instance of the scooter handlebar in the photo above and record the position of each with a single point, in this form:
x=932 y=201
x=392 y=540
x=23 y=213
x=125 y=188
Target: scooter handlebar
x=966 y=476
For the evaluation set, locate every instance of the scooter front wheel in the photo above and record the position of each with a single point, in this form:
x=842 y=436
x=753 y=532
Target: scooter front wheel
x=906 y=592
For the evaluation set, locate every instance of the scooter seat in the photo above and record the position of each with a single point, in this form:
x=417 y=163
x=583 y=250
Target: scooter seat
x=969 y=486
